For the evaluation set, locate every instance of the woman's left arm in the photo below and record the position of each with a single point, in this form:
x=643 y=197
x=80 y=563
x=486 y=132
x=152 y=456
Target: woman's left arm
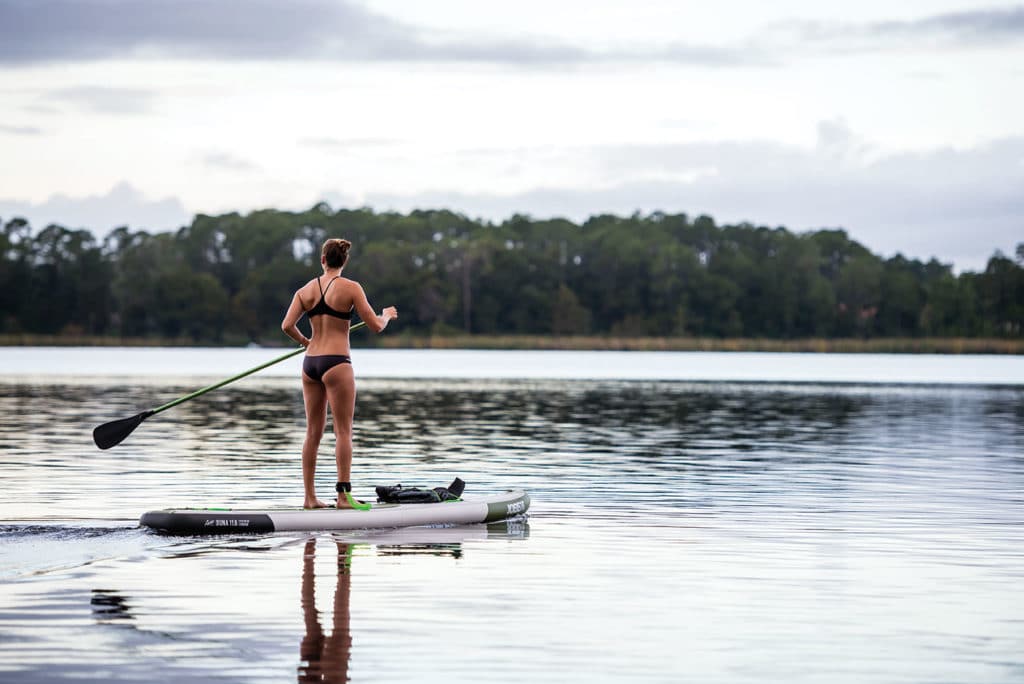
x=291 y=318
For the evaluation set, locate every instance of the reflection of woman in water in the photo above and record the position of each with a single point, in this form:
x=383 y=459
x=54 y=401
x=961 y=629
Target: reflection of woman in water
x=325 y=659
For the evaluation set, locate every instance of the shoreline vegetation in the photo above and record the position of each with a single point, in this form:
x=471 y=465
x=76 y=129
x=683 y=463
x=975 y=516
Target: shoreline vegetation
x=646 y=281
x=926 y=345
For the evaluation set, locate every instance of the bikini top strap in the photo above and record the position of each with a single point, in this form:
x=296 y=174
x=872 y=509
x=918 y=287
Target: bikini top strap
x=323 y=291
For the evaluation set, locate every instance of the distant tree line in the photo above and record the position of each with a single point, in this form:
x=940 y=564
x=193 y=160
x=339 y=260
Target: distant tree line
x=229 y=278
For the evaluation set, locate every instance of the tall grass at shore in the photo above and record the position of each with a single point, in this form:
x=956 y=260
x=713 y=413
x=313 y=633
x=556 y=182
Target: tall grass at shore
x=900 y=345
x=942 y=345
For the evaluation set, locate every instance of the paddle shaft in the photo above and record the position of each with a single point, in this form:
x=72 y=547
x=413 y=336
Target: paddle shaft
x=199 y=392
x=113 y=433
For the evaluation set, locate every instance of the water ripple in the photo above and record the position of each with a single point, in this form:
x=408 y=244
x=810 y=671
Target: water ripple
x=728 y=532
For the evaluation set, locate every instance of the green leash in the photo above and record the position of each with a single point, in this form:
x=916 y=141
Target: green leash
x=355 y=504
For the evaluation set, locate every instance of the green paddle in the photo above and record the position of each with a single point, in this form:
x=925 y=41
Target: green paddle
x=113 y=433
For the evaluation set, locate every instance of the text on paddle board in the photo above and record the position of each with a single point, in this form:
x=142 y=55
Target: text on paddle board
x=221 y=522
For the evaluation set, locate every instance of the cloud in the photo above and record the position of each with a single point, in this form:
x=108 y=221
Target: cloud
x=123 y=205
x=103 y=99
x=956 y=205
x=974 y=28
x=329 y=144
x=45 y=30
x=227 y=162
x=33 y=31
x=20 y=130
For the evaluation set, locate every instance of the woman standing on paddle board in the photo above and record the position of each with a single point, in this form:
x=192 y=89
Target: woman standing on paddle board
x=327 y=378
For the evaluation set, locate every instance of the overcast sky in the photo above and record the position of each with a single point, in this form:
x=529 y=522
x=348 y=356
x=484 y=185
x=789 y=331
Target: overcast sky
x=901 y=122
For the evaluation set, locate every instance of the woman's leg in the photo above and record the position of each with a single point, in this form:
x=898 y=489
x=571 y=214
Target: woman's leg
x=315 y=396
x=341 y=395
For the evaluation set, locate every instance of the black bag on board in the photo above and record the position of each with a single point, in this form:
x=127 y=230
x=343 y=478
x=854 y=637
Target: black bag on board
x=404 y=495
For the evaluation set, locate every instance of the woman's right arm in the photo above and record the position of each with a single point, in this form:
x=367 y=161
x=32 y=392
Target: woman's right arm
x=373 y=321
x=291 y=319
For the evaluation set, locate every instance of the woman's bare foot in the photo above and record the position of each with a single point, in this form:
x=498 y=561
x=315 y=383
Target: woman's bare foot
x=315 y=503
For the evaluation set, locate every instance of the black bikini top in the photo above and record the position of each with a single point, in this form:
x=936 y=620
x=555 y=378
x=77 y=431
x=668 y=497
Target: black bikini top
x=321 y=307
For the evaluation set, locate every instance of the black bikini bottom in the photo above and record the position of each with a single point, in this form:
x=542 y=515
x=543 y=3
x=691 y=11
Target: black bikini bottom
x=316 y=366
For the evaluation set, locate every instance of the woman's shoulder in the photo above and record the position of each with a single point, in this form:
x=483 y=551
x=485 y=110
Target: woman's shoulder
x=308 y=290
x=348 y=282
x=308 y=284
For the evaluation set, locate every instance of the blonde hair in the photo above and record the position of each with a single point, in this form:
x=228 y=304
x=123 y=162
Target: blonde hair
x=335 y=252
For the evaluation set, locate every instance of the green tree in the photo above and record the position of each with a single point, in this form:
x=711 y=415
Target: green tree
x=230 y=277
x=569 y=317
x=68 y=284
x=901 y=298
x=16 y=254
x=858 y=293
x=1000 y=291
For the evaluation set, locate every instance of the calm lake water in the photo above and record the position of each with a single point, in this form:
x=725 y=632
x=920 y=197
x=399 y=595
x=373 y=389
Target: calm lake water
x=692 y=520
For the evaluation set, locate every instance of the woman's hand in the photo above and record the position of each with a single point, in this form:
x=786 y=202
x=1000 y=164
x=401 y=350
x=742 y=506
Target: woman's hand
x=389 y=313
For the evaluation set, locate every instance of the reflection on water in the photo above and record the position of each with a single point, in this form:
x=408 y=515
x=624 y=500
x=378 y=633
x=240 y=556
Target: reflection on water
x=149 y=618
x=325 y=658
x=109 y=607
x=726 y=532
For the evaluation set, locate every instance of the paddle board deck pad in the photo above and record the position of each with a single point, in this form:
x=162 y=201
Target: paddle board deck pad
x=381 y=515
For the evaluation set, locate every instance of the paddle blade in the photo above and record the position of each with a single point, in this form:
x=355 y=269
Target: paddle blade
x=114 y=432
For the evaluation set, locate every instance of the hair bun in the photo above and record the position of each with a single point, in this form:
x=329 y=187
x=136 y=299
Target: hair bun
x=335 y=252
